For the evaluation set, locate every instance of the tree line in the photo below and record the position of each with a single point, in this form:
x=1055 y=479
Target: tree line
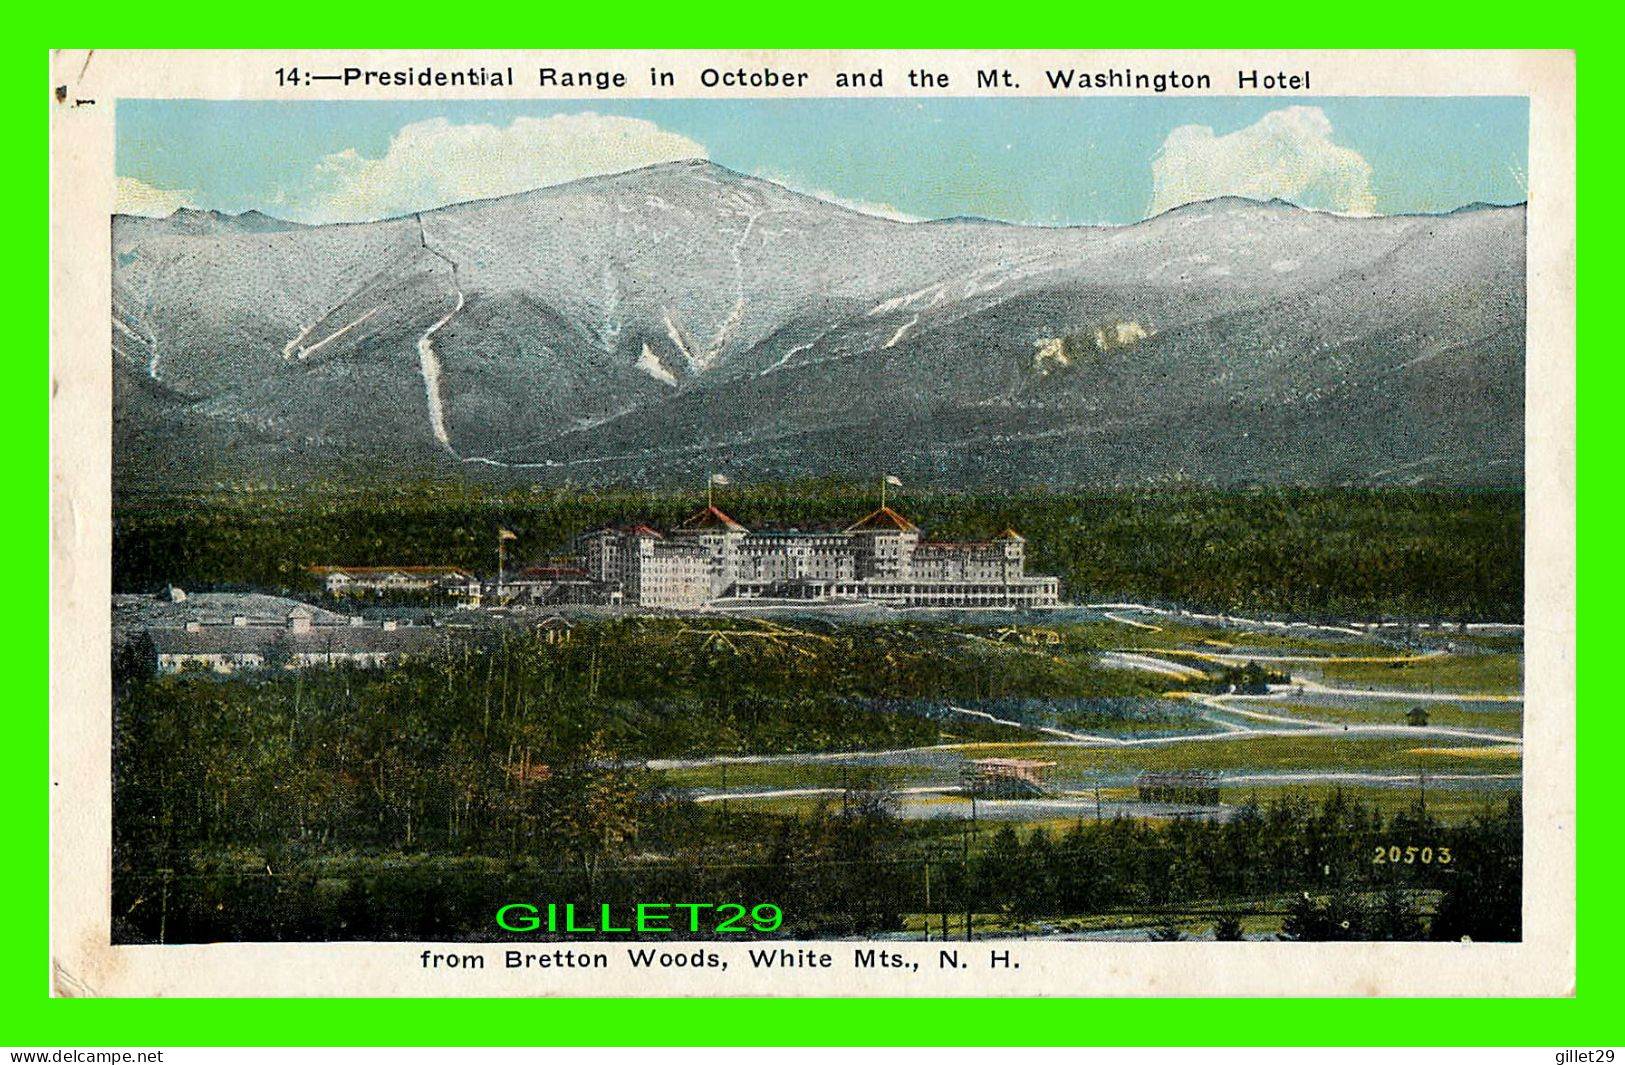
x=467 y=747
x=857 y=869
x=1306 y=552
x=407 y=802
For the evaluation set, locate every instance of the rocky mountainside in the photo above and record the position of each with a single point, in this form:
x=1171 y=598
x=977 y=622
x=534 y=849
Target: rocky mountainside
x=654 y=325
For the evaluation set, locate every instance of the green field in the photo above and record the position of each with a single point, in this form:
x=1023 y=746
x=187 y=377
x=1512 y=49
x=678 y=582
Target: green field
x=1185 y=635
x=1494 y=717
x=1498 y=643
x=1305 y=752
x=1489 y=674
x=1448 y=804
x=1077 y=766
x=751 y=776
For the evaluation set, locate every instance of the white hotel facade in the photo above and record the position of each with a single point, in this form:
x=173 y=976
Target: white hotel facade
x=881 y=558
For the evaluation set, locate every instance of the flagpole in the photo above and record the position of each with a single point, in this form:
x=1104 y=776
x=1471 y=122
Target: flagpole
x=882 y=491
x=710 y=482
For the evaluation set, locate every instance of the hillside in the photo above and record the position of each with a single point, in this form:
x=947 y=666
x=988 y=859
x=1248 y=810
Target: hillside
x=650 y=326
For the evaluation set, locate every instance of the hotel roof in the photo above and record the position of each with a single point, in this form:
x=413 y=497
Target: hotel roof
x=794 y=534
x=883 y=520
x=359 y=571
x=552 y=571
x=710 y=518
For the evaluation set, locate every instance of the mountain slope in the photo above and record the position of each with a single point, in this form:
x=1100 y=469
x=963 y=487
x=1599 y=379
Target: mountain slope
x=654 y=325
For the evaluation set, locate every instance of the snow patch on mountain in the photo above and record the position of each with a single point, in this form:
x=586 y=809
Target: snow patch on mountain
x=650 y=364
x=936 y=291
x=786 y=357
x=902 y=331
x=429 y=364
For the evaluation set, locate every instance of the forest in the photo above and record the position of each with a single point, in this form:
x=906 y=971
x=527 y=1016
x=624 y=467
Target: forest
x=1311 y=553
x=408 y=803
x=452 y=749
x=853 y=868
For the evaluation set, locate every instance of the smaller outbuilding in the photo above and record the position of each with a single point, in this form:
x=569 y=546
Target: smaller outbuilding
x=1184 y=787
x=1007 y=778
x=297 y=645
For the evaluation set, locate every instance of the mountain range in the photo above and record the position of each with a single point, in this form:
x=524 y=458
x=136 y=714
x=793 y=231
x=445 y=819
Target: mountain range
x=652 y=326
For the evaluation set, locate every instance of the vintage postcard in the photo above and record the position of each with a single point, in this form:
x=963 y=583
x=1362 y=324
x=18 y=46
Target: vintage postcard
x=813 y=523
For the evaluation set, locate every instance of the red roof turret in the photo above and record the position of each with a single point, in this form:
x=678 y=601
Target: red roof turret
x=708 y=519
x=884 y=520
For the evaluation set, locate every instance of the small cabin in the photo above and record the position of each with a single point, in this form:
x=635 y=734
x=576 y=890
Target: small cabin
x=1007 y=778
x=1188 y=787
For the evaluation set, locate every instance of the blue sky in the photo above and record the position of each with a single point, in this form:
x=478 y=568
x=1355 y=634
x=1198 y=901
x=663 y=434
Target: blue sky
x=1050 y=161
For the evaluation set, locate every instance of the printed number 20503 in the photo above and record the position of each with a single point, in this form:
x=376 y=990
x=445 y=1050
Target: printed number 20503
x=1397 y=855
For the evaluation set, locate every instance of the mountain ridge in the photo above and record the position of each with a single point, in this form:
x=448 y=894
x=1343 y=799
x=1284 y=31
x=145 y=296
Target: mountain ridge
x=699 y=162
x=642 y=326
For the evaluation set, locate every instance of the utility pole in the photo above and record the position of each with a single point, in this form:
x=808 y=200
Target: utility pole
x=928 y=900
x=970 y=891
x=163 y=907
x=965 y=864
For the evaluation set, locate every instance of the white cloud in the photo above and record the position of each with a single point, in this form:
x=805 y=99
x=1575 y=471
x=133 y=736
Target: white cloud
x=134 y=196
x=435 y=162
x=1287 y=154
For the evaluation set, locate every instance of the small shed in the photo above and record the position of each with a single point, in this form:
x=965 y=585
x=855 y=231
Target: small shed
x=1416 y=717
x=1007 y=778
x=1185 y=787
